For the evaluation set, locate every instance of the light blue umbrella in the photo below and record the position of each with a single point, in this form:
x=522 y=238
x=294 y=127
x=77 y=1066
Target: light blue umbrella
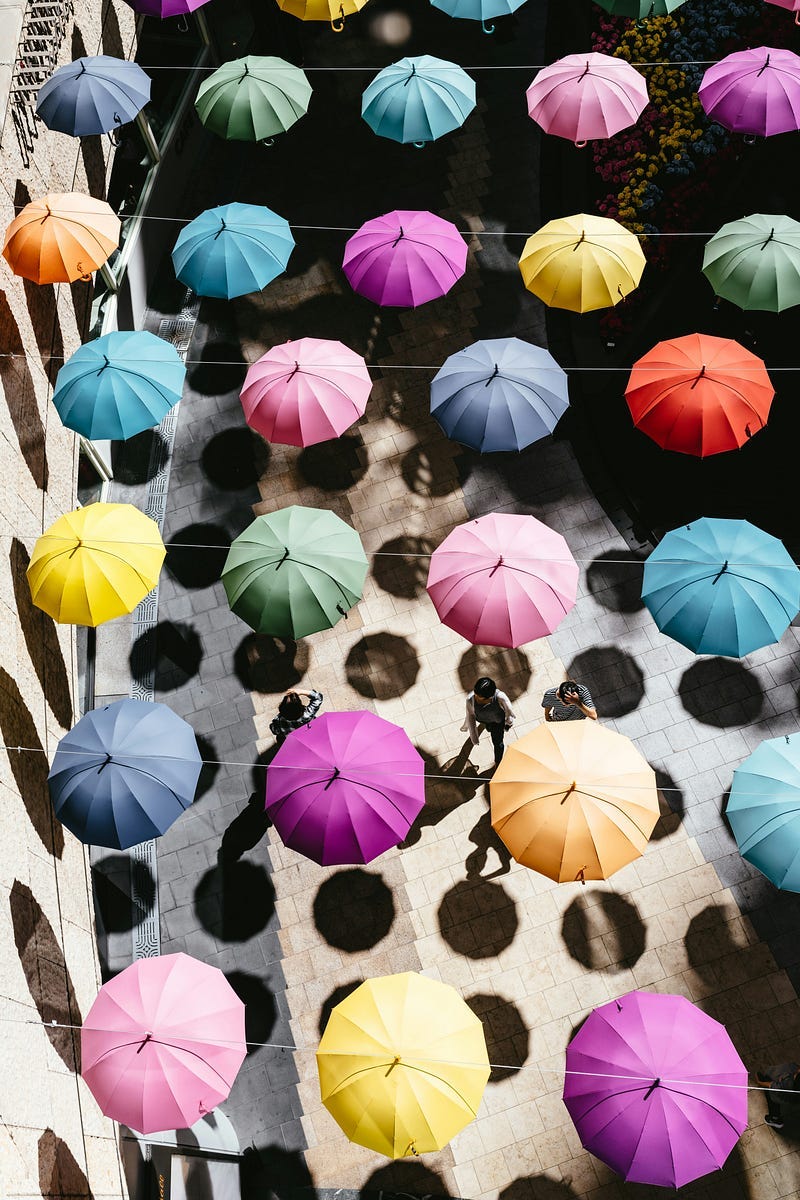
x=119 y=385
x=418 y=99
x=721 y=587
x=232 y=250
x=764 y=810
x=93 y=95
x=478 y=10
x=499 y=394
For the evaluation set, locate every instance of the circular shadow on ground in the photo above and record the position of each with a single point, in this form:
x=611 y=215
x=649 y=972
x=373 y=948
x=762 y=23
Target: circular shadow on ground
x=721 y=692
x=234 y=901
x=382 y=666
x=196 y=554
x=510 y=668
x=235 y=459
x=506 y=1035
x=353 y=910
x=433 y=471
x=336 y=997
x=615 y=580
x=221 y=369
x=670 y=801
x=612 y=676
x=138 y=459
x=113 y=893
x=270 y=665
x=405 y=1179
x=478 y=918
x=260 y=1009
x=400 y=567
x=538 y=1187
x=210 y=767
x=606 y=935
x=169 y=649
x=336 y=465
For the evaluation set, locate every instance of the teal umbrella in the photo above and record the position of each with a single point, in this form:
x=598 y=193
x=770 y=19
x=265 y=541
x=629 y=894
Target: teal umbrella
x=253 y=99
x=478 y=10
x=755 y=262
x=640 y=9
x=764 y=810
x=232 y=250
x=418 y=99
x=295 y=572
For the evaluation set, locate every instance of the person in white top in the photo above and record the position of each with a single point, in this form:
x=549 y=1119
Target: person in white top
x=487 y=705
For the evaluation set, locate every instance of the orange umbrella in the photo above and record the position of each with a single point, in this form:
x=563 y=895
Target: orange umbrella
x=62 y=237
x=699 y=395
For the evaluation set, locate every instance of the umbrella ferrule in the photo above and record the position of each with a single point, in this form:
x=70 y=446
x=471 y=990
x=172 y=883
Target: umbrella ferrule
x=296 y=369
x=720 y=572
x=769 y=239
x=698 y=378
x=656 y=1083
x=399 y=237
x=493 y=375
x=147 y=1038
x=411 y=76
x=335 y=775
x=585 y=71
x=581 y=239
x=498 y=564
x=103 y=765
x=766 y=64
x=569 y=792
x=106 y=363
x=392 y=1066
x=283 y=560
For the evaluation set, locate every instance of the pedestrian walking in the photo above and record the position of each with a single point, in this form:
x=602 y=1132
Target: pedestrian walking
x=295 y=710
x=785 y=1080
x=570 y=701
x=487 y=705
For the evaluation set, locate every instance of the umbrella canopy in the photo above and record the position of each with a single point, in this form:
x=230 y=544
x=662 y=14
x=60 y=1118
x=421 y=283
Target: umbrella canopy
x=418 y=99
x=699 y=394
x=639 y=10
x=790 y=5
x=232 y=250
x=755 y=262
x=764 y=810
x=721 y=587
x=163 y=1043
x=345 y=788
x=119 y=385
x=93 y=95
x=658 y=1093
x=295 y=572
x=404 y=258
x=478 y=10
x=60 y=238
x=503 y=580
x=574 y=801
x=586 y=96
x=252 y=99
x=304 y=392
x=124 y=774
x=756 y=92
x=95 y=563
x=165 y=8
x=334 y=11
x=402 y=1064
x=582 y=263
x=499 y=394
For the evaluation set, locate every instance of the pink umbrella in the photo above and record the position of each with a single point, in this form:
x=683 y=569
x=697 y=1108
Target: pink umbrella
x=165 y=8
x=305 y=392
x=345 y=788
x=162 y=1043
x=404 y=258
x=791 y=5
x=586 y=96
x=756 y=92
x=503 y=580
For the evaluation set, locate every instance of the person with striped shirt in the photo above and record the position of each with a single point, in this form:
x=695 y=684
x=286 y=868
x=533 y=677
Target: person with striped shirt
x=570 y=701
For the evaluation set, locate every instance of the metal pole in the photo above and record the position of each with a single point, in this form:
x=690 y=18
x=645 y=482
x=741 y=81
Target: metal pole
x=148 y=137
x=108 y=276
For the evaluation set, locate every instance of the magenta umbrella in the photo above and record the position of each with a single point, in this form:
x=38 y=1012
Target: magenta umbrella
x=165 y=8
x=405 y=258
x=503 y=580
x=162 y=1043
x=756 y=92
x=345 y=788
x=304 y=392
x=659 y=1093
x=586 y=96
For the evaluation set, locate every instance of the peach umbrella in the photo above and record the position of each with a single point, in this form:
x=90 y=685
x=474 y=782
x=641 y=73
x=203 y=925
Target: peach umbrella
x=60 y=238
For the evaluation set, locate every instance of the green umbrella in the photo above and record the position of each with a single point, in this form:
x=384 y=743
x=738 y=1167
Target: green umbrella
x=639 y=9
x=755 y=262
x=295 y=572
x=252 y=99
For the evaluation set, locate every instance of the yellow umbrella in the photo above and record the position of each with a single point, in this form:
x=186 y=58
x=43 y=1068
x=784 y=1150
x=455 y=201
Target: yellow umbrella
x=582 y=263
x=60 y=238
x=334 y=11
x=402 y=1064
x=95 y=563
x=574 y=801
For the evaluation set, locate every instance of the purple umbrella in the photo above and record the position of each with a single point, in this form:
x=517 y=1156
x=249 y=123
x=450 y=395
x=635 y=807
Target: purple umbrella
x=345 y=788
x=404 y=258
x=754 y=91
x=658 y=1091
x=165 y=8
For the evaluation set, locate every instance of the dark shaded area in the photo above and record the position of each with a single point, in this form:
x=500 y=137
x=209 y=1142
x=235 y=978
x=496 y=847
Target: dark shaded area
x=608 y=935
x=234 y=900
x=260 y=1009
x=112 y=37
x=258 y=774
x=442 y=795
x=354 y=910
x=432 y=470
x=210 y=767
x=196 y=554
x=41 y=640
x=272 y=1173
x=382 y=666
x=484 y=839
x=507 y=1040
x=670 y=801
x=614 y=583
x=20 y=396
x=270 y=665
x=510 y=669
x=613 y=677
x=46 y=974
x=477 y=918
x=60 y=1177
x=29 y=767
x=712 y=950
x=220 y=369
x=336 y=997
x=246 y=829
x=235 y=459
x=172 y=651
x=538 y=1187
x=336 y=465
x=400 y=567
x=115 y=905
x=406 y=1179
x=720 y=692
x=138 y=459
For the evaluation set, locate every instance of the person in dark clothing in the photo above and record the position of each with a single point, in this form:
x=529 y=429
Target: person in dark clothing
x=487 y=705
x=295 y=710
x=785 y=1080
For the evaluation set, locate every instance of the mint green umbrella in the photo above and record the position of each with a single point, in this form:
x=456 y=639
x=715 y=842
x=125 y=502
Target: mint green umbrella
x=639 y=9
x=755 y=262
x=252 y=99
x=295 y=572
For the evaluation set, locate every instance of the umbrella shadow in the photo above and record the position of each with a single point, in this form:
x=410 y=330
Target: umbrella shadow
x=19 y=392
x=721 y=692
x=354 y=910
x=196 y=554
x=336 y=997
x=221 y=369
x=210 y=768
x=270 y=665
x=139 y=458
x=260 y=1008
x=335 y=465
x=606 y=935
x=511 y=669
x=406 y=1180
x=246 y=829
x=435 y=470
x=400 y=567
x=615 y=580
x=41 y=640
x=116 y=908
x=478 y=918
x=59 y=1173
x=671 y=803
x=613 y=677
x=539 y=1187
x=441 y=795
x=235 y=459
x=235 y=900
x=167 y=656
x=382 y=666
x=273 y=1173
x=507 y=1037
x=29 y=766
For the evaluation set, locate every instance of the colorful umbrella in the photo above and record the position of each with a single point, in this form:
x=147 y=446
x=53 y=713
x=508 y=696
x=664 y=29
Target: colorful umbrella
x=124 y=773
x=163 y=1042
x=60 y=238
x=721 y=587
x=418 y=99
x=764 y=810
x=499 y=394
x=574 y=801
x=294 y=572
x=639 y=10
x=345 y=788
x=232 y=250
x=587 y=96
x=253 y=99
x=582 y=263
x=791 y=5
x=756 y=92
x=304 y=392
x=95 y=563
x=503 y=580
x=755 y=262
x=165 y=8
x=478 y=10
x=699 y=394
x=334 y=11
x=404 y=258
x=119 y=385
x=93 y=95
x=656 y=1089
x=402 y=1064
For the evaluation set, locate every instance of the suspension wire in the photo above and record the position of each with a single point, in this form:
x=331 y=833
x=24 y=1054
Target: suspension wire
x=448 y=66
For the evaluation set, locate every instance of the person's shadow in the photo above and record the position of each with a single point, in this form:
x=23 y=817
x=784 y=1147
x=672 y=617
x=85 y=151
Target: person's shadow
x=441 y=795
x=485 y=839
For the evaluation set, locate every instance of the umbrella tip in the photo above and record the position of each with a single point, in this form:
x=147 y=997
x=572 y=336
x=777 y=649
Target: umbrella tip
x=652 y=1088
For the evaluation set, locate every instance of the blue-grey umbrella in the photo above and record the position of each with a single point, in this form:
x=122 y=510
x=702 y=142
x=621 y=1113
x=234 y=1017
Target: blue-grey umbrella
x=499 y=394
x=124 y=773
x=93 y=95
x=232 y=250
